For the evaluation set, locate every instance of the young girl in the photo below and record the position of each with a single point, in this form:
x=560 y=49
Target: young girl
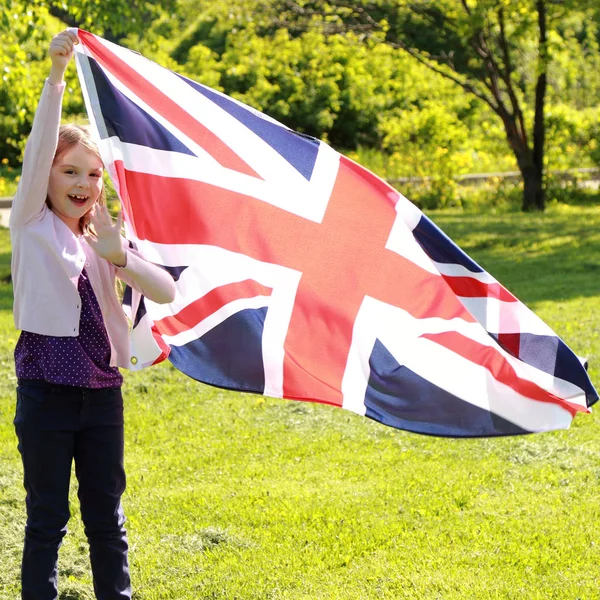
x=66 y=254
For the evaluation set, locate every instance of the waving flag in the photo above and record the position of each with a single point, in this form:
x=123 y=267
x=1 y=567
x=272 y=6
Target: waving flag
x=302 y=275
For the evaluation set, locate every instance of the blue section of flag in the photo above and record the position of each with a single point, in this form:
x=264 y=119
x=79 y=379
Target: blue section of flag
x=127 y=296
x=229 y=355
x=300 y=151
x=440 y=248
x=141 y=309
x=127 y=121
x=398 y=397
x=568 y=367
x=174 y=271
x=538 y=350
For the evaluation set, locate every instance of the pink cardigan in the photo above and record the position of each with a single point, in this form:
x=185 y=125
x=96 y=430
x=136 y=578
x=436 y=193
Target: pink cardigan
x=48 y=258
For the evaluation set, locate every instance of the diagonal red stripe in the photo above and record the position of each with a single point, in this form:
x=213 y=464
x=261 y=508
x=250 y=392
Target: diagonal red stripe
x=469 y=287
x=201 y=308
x=164 y=347
x=499 y=368
x=163 y=104
x=511 y=342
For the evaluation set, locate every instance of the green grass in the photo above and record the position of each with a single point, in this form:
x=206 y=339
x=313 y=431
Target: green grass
x=234 y=496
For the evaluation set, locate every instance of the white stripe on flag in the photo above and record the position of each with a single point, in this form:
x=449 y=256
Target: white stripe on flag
x=456 y=270
x=505 y=317
x=400 y=333
x=142 y=159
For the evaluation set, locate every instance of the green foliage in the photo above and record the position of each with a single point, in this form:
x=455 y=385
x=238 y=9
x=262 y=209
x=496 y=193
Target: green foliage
x=110 y=18
x=321 y=86
x=430 y=140
x=595 y=144
x=23 y=35
x=573 y=73
x=503 y=53
x=359 y=94
x=572 y=133
x=9 y=179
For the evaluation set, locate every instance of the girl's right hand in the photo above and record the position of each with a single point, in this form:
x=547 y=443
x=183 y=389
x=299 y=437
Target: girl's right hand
x=61 y=52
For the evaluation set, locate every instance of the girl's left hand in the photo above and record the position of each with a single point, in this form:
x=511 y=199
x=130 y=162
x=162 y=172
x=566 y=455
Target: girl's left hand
x=107 y=241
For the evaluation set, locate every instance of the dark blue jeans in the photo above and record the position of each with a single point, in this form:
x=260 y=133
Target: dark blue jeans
x=56 y=425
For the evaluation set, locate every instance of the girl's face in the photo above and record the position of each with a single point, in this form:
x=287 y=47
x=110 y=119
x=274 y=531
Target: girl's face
x=75 y=184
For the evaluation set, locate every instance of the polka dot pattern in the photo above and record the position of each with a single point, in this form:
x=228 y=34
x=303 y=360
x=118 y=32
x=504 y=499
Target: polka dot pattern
x=81 y=361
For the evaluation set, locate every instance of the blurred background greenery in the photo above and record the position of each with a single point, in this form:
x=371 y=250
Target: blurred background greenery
x=426 y=90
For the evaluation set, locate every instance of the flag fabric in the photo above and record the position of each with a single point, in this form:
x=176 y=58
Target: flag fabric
x=302 y=275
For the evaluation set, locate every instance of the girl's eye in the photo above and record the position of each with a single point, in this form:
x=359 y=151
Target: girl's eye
x=69 y=172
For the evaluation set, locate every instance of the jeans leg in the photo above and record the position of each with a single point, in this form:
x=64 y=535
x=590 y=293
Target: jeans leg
x=101 y=475
x=43 y=427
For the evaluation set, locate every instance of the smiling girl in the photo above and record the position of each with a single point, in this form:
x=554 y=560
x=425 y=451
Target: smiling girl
x=75 y=182
x=67 y=252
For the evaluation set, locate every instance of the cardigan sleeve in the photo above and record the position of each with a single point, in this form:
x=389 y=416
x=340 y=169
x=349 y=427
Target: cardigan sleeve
x=29 y=202
x=149 y=279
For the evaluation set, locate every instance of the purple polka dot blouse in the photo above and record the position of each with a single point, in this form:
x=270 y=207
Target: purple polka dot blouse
x=82 y=361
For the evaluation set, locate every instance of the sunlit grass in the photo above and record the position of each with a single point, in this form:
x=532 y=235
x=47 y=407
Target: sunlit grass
x=235 y=496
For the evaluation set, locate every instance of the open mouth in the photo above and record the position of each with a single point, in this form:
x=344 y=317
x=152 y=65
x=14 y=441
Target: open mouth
x=77 y=199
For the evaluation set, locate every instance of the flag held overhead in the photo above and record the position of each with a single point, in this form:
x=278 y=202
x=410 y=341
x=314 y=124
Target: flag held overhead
x=304 y=276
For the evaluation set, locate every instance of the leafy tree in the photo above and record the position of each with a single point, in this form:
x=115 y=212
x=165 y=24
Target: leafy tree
x=23 y=33
x=334 y=70
x=497 y=50
x=336 y=87
x=331 y=87
x=111 y=19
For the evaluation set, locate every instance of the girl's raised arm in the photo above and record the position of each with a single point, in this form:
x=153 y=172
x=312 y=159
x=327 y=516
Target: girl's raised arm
x=30 y=197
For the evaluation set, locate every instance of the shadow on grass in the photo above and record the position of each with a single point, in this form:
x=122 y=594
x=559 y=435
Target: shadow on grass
x=5 y=265
x=554 y=256
x=74 y=594
x=6 y=296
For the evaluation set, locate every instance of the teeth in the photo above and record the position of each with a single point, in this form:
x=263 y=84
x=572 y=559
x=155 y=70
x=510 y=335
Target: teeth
x=78 y=197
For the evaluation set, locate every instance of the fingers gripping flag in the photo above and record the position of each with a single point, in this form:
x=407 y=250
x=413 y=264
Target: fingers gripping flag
x=302 y=275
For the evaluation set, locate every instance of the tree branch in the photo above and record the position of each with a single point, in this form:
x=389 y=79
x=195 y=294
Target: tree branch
x=540 y=89
x=508 y=70
x=466 y=85
x=466 y=7
x=495 y=74
x=63 y=15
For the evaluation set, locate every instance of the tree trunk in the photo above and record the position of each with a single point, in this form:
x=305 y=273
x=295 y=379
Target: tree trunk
x=534 y=194
x=531 y=159
x=534 y=197
x=528 y=160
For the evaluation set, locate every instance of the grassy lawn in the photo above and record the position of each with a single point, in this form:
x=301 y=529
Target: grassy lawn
x=235 y=496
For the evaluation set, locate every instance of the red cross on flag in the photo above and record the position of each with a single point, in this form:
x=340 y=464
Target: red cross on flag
x=302 y=275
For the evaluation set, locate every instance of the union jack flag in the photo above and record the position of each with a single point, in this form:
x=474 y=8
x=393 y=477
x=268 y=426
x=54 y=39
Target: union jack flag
x=302 y=275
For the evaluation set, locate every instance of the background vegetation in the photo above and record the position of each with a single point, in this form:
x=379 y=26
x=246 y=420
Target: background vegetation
x=348 y=86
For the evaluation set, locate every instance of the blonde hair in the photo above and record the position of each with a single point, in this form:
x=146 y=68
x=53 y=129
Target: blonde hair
x=70 y=136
